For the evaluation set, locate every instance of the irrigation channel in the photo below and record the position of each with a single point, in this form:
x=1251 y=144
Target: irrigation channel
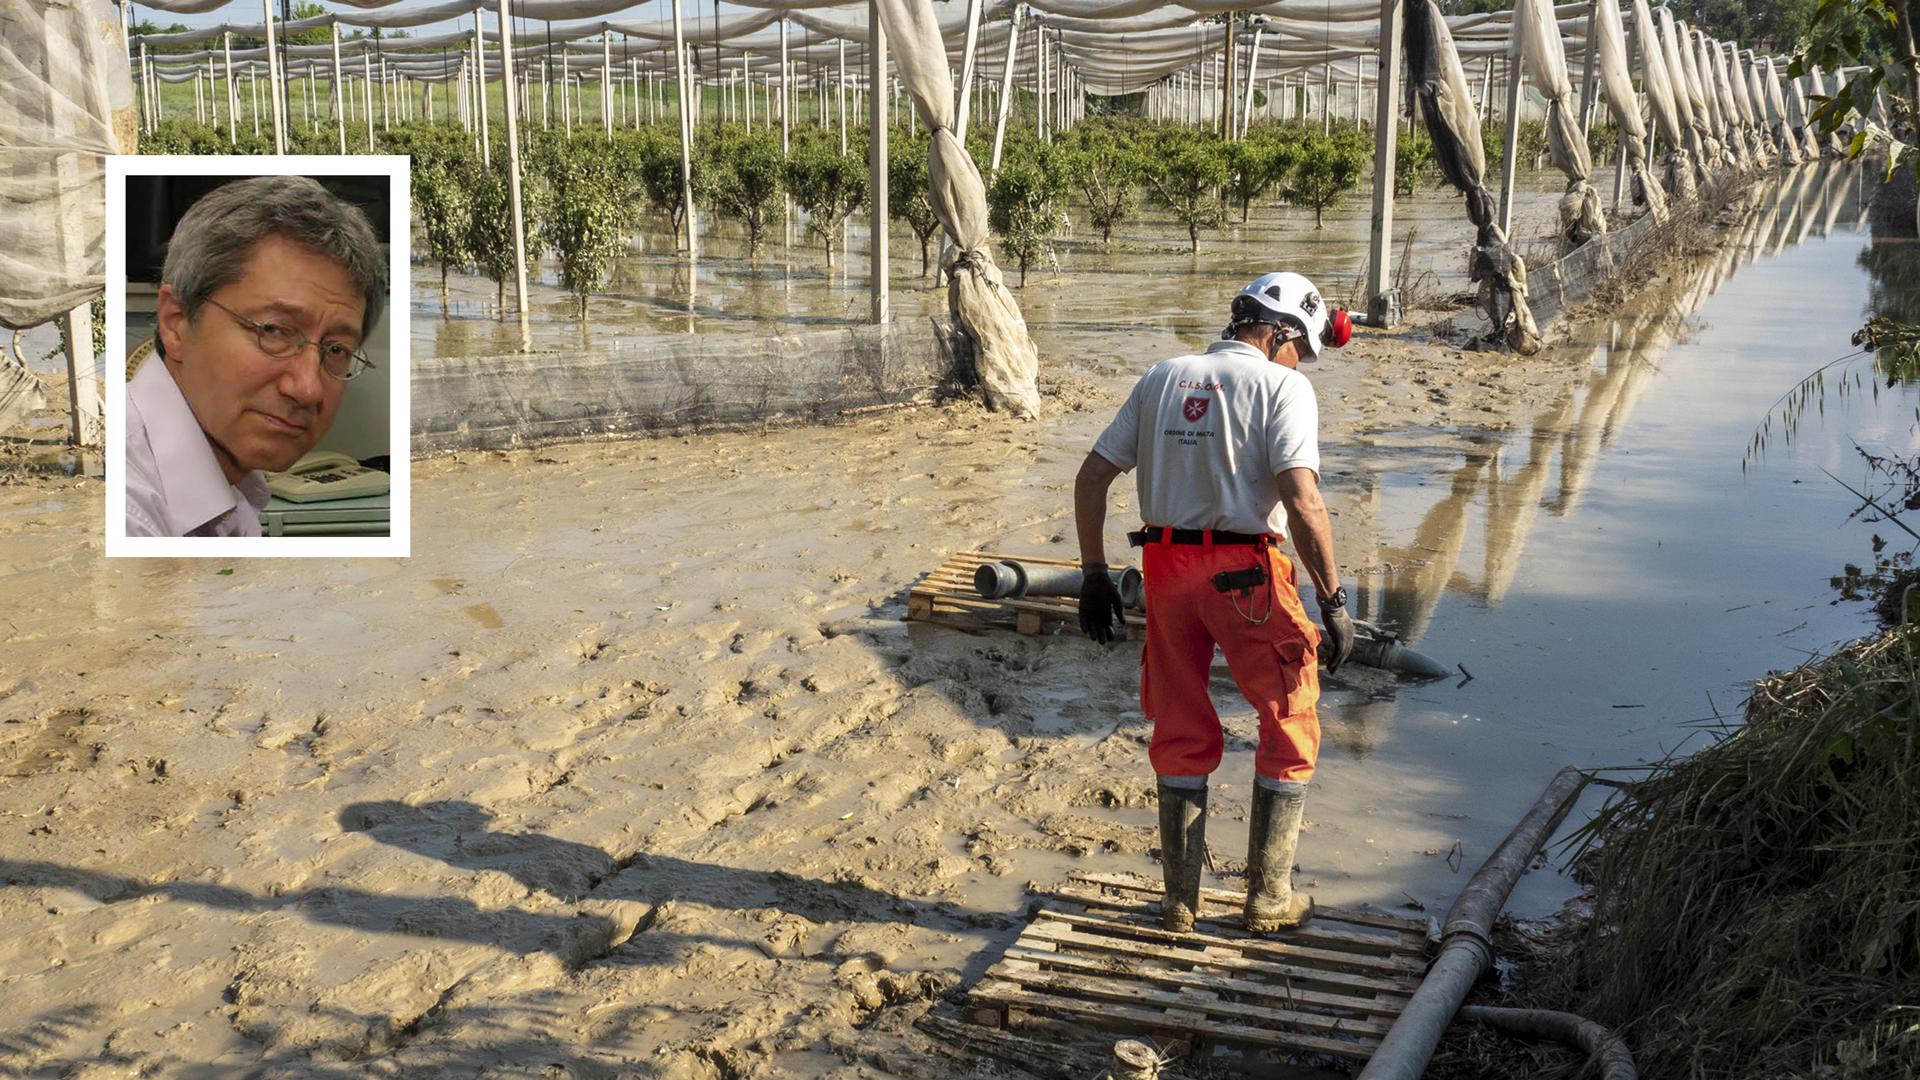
x=634 y=760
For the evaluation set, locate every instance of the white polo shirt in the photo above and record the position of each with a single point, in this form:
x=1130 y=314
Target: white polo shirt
x=175 y=486
x=1209 y=432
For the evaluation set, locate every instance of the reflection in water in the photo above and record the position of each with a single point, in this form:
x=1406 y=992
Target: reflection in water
x=1494 y=495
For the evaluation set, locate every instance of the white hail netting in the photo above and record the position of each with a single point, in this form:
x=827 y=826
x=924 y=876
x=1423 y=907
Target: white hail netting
x=1440 y=84
x=1004 y=357
x=1662 y=98
x=1702 y=147
x=66 y=101
x=1783 y=131
x=1730 y=119
x=1611 y=52
x=1581 y=218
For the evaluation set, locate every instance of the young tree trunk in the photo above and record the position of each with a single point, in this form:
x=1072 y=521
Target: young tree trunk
x=1243 y=209
x=1193 y=237
x=500 y=299
x=443 y=290
x=925 y=263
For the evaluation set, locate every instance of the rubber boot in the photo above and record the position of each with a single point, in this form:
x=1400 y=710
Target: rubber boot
x=1274 y=834
x=1183 y=852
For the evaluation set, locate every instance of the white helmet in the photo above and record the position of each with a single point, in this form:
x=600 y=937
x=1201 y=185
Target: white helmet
x=1290 y=299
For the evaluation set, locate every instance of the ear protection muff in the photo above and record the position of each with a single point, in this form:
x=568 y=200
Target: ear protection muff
x=1339 y=329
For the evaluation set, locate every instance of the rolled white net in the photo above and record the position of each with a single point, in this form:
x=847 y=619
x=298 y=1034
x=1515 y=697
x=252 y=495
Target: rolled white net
x=1581 y=218
x=1453 y=122
x=1611 y=50
x=1005 y=360
x=1664 y=100
x=1713 y=60
x=1783 y=131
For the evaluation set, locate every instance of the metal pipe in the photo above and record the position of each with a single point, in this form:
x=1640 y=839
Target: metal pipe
x=1375 y=648
x=1466 y=942
x=1010 y=579
x=1606 y=1049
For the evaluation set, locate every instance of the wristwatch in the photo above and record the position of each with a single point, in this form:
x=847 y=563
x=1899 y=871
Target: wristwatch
x=1338 y=599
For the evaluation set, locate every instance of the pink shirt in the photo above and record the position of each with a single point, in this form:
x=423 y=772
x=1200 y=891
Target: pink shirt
x=175 y=486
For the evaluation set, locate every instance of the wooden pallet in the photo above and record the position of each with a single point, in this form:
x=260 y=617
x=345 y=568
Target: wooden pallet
x=1095 y=954
x=947 y=597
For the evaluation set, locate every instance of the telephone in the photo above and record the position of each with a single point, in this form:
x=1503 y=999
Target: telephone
x=327 y=474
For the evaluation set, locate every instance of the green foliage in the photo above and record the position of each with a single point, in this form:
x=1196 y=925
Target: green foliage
x=585 y=223
x=1188 y=171
x=176 y=136
x=907 y=198
x=648 y=163
x=1024 y=206
x=490 y=219
x=1868 y=33
x=1103 y=165
x=749 y=181
x=827 y=184
x=442 y=207
x=1257 y=163
x=1603 y=140
x=1412 y=161
x=1329 y=169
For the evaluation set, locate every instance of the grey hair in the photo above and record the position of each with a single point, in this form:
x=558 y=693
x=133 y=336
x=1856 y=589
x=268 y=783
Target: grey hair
x=210 y=246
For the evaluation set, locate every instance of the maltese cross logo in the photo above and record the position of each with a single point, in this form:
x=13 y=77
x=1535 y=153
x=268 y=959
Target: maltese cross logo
x=1195 y=409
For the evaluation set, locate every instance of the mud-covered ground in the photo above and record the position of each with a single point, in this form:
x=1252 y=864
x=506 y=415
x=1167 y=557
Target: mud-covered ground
x=633 y=768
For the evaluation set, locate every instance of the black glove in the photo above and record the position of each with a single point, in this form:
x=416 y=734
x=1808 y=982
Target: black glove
x=1100 y=606
x=1336 y=631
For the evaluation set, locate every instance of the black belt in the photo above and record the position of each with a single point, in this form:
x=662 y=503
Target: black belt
x=1159 y=534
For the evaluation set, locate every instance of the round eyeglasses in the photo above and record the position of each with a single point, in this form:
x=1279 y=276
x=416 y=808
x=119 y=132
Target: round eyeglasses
x=280 y=342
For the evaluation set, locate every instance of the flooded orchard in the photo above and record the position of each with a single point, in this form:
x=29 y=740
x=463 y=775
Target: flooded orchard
x=635 y=765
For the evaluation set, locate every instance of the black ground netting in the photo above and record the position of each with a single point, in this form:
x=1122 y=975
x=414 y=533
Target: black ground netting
x=700 y=382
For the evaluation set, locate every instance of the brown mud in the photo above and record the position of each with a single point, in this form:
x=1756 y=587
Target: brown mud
x=632 y=769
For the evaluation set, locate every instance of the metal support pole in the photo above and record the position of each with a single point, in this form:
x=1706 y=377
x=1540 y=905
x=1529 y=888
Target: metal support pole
x=273 y=85
x=686 y=135
x=233 y=99
x=480 y=92
x=339 y=105
x=1586 y=79
x=1512 y=143
x=366 y=87
x=877 y=163
x=1006 y=89
x=606 y=83
x=1383 y=302
x=513 y=176
x=966 y=70
x=1253 y=72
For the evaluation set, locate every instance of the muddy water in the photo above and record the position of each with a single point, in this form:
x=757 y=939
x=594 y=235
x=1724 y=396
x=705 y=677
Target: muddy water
x=651 y=291
x=1609 y=573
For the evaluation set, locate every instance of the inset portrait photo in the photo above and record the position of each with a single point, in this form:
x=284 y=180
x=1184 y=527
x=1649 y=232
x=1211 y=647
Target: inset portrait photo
x=257 y=381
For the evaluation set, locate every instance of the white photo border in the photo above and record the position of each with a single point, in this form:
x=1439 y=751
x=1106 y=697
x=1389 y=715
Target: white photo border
x=398 y=543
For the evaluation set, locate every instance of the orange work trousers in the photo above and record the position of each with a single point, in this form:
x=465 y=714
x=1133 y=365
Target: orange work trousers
x=1270 y=645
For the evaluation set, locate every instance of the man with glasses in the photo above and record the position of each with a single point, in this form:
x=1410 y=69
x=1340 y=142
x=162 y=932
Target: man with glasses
x=1227 y=446
x=271 y=286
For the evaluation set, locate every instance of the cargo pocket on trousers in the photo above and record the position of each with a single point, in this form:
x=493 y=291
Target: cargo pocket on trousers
x=1298 y=675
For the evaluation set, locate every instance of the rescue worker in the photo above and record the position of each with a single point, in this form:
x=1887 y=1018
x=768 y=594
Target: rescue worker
x=1226 y=444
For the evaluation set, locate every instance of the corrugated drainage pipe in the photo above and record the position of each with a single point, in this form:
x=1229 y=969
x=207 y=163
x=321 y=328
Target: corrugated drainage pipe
x=1605 y=1048
x=1466 y=941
